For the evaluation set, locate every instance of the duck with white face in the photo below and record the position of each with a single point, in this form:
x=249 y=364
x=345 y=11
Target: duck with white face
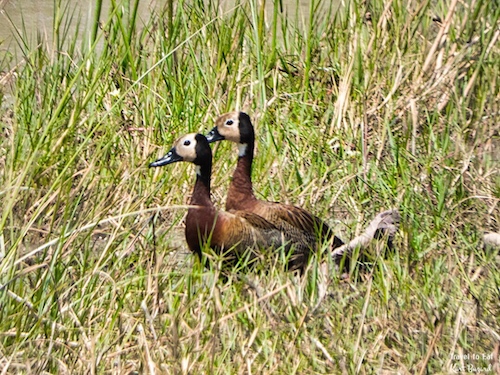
x=237 y=127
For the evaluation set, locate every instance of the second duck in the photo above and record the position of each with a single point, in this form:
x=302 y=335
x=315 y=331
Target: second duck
x=237 y=127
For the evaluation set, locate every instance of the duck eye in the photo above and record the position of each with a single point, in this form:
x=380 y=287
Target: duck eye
x=187 y=143
x=229 y=122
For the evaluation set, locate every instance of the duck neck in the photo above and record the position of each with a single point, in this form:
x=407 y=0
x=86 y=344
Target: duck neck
x=201 y=192
x=241 y=184
x=200 y=219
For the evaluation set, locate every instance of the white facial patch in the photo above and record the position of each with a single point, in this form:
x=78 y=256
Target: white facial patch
x=197 y=169
x=242 y=149
x=186 y=147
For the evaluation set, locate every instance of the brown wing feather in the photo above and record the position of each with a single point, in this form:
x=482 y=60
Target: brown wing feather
x=301 y=218
x=293 y=216
x=305 y=226
x=244 y=231
x=298 y=217
x=255 y=220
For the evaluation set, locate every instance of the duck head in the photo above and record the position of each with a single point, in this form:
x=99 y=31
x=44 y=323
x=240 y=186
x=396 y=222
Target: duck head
x=234 y=127
x=193 y=148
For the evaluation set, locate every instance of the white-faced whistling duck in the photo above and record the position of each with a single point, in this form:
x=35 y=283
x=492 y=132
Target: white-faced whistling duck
x=237 y=127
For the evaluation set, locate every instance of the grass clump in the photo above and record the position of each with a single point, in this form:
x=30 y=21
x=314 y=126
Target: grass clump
x=358 y=108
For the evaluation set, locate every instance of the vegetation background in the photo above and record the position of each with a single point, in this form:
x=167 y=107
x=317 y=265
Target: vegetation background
x=371 y=105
